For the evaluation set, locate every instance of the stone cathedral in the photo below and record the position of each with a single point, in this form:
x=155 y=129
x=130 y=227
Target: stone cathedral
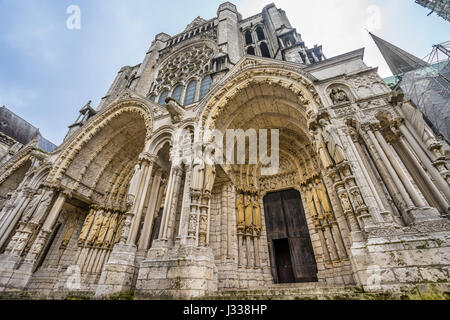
x=359 y=204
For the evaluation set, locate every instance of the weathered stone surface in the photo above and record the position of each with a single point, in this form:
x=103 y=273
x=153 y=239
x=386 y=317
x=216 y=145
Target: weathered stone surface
x=112 y=212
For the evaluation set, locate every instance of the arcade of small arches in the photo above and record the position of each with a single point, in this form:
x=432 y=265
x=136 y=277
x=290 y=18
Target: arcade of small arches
x=185 y=94
x=256 y=43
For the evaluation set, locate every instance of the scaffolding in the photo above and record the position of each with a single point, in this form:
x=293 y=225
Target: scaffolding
x=429 y=89
x=441 y=7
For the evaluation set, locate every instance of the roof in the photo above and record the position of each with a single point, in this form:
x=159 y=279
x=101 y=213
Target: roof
x=398 y=60
x=22 y=131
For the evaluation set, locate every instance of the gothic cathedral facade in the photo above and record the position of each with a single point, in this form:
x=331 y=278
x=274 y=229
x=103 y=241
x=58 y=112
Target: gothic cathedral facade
x=360 y=199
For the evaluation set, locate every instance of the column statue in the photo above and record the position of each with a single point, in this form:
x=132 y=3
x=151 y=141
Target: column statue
x=332 y=141
x=198 y=167
x=103 y=229
x=71 y=224
x=248 y=215
x=86 y=227
x=95 y=228
x=210 y=175
x=322 y=151
x=240 y=213
x=323 y=197
x=43 y=207
x=122 y=218
x=134 y=181
x=257 y=225
x=310 y=202
x=31 y=207
x=111 y=229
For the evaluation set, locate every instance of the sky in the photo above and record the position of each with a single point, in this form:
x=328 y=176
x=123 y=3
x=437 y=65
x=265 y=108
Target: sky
x=49 y=71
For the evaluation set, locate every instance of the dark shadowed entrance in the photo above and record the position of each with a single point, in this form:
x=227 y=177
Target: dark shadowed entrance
x=291 y=253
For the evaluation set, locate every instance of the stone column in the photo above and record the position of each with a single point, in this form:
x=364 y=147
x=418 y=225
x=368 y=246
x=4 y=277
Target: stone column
x=185 y=210
x=167 y=203
x=14 y=216
x=429 y=189
x=171 y=217
x=413 y=192
x=399 y=204
x=194 y=217
x=151 y=210
x=392 y=175
x=148 y=162
x=344 y=198
x=425 y=160
x=46 y=229
x=377 y=192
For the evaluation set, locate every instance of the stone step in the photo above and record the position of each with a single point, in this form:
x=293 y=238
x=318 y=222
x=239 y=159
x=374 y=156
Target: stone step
x=296 y=291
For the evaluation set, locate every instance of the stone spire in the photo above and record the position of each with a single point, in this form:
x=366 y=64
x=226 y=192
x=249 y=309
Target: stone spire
x=398 y=60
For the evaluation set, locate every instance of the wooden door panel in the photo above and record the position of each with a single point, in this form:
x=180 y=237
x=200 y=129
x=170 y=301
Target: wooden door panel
x=286 y=220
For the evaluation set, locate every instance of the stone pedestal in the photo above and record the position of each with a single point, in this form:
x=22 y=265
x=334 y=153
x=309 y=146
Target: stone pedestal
x=7 y=267
x=20 y=278
x=416 y=215
x=118 y=273
x=185 y=272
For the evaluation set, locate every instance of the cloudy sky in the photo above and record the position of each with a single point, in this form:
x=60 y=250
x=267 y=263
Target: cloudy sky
x=47 y=71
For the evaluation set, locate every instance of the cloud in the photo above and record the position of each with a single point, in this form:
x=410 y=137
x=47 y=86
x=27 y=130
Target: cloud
x=340 y=26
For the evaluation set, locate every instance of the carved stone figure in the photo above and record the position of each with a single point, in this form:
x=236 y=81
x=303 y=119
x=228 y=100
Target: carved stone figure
x=338 y=96
x=111 y=229
x=322 y=151
x=358 y=199
x=103 y=229
x=134 y=180
x=332 y=141
x=71 y=224
x=86 y=226
x=323 y=197
x=240 y=213
x=345 y=202
x=317 y=203
x=210 y=175
x=248 y=215
x=43 y=206
x=310 y=203
x=95 y=228
x=31 y=207
x=257 y=225
x=192 y=224
x=119 y=228
x=198 y=167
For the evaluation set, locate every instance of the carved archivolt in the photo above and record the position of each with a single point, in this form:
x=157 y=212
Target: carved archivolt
x=250 y=75
x=100 y=121
x=13 y=166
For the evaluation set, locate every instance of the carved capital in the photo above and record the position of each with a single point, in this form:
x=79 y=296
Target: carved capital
x=396 y=122
x=147 y=158
x=374 y=126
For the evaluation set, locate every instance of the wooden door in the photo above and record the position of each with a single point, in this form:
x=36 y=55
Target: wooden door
x=284 y=262
x=287 y=230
